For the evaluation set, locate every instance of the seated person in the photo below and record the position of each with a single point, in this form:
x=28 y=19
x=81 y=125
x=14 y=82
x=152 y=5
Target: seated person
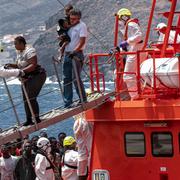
x=62 y=30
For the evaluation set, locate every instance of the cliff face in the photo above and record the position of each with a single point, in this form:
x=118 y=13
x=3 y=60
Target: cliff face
x=16 y=16
x=99 y=17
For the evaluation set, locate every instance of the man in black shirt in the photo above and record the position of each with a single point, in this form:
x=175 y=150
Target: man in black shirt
x=25 y=166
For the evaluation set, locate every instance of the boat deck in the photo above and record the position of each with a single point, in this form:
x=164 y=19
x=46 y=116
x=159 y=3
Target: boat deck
x=54 y=116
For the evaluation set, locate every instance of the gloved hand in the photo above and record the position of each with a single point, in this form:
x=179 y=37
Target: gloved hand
x=113 y=50
x=124 y=45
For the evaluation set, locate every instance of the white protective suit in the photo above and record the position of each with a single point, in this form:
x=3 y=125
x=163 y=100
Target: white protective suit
x=171 y=37
x=9 y=72
x=70 y=158
x=41 y=163
x=134 y=40
x=83 y=135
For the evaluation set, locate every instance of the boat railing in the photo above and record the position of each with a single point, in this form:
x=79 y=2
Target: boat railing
x=11 y=103
x=154 y=91
x=155 y=51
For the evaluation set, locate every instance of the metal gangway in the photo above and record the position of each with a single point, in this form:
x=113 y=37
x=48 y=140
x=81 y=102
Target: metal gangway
x=98 y=96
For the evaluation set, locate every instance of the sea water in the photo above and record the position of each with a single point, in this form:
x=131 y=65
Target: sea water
x=49 y=98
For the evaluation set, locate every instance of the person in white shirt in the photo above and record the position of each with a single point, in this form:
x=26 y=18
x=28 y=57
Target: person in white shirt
x=33 y=79
x=43 y=165
x=69 y=159
x=161 y=30
x=74 y=50
x=7 y=163
x=83 y=132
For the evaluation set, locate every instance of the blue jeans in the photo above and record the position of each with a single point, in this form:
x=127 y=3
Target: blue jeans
x=69 y=77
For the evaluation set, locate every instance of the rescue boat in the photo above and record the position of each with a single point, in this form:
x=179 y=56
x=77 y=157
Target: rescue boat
x=140 y=139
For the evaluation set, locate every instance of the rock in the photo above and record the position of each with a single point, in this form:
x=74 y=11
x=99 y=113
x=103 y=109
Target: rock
x=98 y=15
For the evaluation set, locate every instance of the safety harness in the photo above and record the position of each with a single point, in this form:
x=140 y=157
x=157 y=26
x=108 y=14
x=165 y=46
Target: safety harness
x=68 y=165
x=50 y=162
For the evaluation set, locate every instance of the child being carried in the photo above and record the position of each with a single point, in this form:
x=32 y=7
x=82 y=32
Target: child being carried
x=62 y=30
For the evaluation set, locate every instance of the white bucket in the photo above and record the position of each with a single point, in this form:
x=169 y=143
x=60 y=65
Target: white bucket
x=166 y=71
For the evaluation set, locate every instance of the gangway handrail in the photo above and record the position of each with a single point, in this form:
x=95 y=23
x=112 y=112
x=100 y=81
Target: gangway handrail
x=38 y=126
x=12 y=103
x=54 y=116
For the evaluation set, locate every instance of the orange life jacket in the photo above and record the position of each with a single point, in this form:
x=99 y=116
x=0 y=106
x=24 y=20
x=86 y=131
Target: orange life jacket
x=126 y=27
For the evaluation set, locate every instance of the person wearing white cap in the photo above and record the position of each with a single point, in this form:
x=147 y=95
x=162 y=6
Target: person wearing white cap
x=43 y=165
x=161 y=30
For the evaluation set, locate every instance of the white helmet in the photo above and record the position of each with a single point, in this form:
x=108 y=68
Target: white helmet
x=160 y=26
x=43 y=143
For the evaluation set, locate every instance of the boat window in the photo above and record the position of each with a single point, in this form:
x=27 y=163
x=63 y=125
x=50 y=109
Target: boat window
x=135 y=144
x=162 y=144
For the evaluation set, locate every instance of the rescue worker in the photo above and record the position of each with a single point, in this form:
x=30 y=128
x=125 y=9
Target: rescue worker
x=69 y=159
x=83 y=135
x=133 y=41
x=43 y=166
x=161 y=30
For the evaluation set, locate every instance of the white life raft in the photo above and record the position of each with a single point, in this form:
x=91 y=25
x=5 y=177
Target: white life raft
x=166 y=71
